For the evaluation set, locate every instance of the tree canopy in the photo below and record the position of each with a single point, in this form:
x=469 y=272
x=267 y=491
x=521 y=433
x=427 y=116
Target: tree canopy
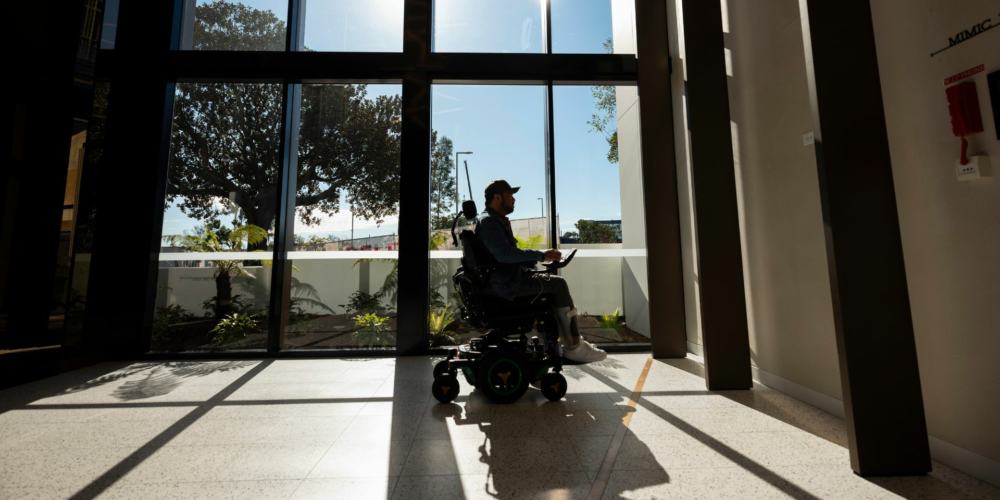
x=226 y=138
x=595 y=232
x=603 y=120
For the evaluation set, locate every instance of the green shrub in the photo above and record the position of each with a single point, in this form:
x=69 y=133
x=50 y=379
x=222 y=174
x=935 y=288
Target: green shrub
x=372 y=330
x=611 y=320
x=165 y=317
x=437 y=321
x=360 y=303
x=235 y=326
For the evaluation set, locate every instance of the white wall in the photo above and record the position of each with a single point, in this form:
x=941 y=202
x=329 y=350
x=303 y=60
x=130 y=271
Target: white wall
x=788 y=288
x=950 y=229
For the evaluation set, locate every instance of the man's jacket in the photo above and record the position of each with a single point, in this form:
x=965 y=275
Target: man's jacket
x=512 y=263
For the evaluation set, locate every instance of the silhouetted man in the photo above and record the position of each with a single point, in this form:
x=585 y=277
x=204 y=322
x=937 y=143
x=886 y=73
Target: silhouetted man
x=513 y=277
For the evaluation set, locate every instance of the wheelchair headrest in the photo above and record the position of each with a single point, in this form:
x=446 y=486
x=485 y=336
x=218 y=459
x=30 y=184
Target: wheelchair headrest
x=469 y=209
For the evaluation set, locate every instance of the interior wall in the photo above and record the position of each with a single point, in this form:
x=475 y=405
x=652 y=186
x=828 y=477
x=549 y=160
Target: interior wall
x=950 y=228
x=788 y=287
x=685 y=189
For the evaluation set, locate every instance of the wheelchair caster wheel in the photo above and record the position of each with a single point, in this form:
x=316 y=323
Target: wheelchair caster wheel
x=553 y=386
x=502 y=377
x=441 y=368
x=445 y=388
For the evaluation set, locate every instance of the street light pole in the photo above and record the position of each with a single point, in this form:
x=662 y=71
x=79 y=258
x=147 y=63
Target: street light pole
x=456 y=176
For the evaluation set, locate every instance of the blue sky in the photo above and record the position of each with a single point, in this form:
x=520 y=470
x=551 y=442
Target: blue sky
x=504 y=125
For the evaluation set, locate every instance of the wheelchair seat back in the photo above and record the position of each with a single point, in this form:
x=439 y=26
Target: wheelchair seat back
x=480 y=307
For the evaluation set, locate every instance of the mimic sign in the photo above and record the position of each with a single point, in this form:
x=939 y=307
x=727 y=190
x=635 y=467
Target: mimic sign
x=969 y=33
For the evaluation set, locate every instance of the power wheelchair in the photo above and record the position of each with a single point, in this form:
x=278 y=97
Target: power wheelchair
x=504 y=361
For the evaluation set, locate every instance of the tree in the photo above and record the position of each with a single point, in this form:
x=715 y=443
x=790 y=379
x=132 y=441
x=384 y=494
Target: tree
x=225 y=141
x=222 y=25
x=442 y=182
x=595 y=232
x=605 y=111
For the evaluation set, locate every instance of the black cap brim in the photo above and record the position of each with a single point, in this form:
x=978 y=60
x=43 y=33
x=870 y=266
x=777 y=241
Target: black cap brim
x=515 y=189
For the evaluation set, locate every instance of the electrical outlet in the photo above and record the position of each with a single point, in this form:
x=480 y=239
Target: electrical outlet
x=977 y=168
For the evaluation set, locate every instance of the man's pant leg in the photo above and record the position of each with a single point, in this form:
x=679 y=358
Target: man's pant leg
x=561 y=303
x=546 y=284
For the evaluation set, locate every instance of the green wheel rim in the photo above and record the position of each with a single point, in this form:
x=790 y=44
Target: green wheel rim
x=511 y=388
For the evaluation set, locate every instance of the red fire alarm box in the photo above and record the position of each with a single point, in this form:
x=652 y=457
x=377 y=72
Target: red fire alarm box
x=966 y=119
x=963 y=104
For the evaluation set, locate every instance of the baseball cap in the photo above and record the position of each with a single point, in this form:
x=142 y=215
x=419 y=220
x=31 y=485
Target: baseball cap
x=499 y=187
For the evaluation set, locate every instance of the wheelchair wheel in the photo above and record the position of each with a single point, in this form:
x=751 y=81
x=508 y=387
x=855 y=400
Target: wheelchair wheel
x=445 y=388
x=553 y=386
x=502 y=375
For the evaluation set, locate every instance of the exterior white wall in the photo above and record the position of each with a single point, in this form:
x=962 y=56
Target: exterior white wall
x=596 y=282
x=334 y=281
x=633 y=276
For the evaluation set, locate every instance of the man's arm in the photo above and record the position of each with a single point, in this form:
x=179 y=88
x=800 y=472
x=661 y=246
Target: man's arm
x=491 y=233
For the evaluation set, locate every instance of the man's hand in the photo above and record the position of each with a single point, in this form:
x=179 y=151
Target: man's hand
x=552 y=256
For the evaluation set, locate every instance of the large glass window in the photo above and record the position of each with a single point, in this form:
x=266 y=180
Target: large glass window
x=234 y=25
x=214 y=279
x=224 y=191
x=495 y=132
x=343 y=288
x=593 y=26
x=353 y=26
x=599 y=209
x=489 y=26
x=109 y=24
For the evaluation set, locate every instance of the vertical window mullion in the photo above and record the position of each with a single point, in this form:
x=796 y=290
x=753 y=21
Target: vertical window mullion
x=414 y=190
x=296 y=26
x=281 y=270
x=550 y=166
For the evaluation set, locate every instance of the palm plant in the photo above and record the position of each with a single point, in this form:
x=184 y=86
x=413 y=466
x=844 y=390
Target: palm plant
x=214 y=240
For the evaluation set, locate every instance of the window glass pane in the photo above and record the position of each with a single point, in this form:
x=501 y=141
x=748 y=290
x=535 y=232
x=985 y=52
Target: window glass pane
x=213 y=286
x=352 y=26
x=234 y=25
x=109 y=27
x=599 y=209
x=85 y=215
x=593 y=26
x=497 y=132
x=489 y=26
x=343 y=290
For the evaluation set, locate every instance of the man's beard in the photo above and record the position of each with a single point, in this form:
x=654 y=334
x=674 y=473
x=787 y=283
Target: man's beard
x=509 y=209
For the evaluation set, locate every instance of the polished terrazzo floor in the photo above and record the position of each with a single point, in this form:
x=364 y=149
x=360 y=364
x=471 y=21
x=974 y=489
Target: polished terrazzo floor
x=369 y=428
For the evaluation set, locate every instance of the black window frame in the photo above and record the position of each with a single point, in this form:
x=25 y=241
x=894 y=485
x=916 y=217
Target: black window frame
x=418 y=67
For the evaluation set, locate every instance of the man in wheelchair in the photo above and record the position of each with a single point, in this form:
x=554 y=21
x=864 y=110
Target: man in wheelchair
x=513 y=277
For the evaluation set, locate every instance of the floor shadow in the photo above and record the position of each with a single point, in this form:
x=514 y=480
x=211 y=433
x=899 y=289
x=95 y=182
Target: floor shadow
x=775 y=405
x=737 y=458
x=530 y=449
x=163 y=378
x=160 y=378
x=112 y=475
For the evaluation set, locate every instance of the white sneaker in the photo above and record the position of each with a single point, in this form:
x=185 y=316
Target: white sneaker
x=584 y=352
